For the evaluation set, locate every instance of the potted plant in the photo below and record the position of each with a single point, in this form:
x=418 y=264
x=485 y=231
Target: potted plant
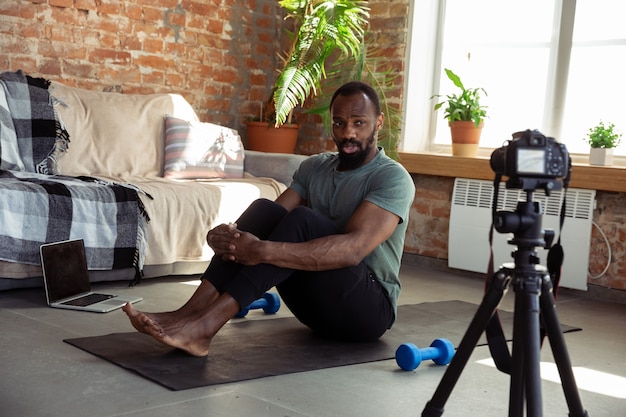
x=322 y=28
x=602 y=139
x=264 y=135
x=465 y=116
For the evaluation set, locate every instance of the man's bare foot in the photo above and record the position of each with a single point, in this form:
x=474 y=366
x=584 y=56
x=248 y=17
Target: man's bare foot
x=150 y=323
x=192 y=333
x=184 y=335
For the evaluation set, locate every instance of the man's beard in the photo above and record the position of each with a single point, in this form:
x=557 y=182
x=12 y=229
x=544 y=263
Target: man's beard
x=354 y=160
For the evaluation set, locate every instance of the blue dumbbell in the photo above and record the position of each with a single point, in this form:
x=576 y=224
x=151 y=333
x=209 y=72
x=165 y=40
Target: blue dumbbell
x=270 y=303
x=409 y=356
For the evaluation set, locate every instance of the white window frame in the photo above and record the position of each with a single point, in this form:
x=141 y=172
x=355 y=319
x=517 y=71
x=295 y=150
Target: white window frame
x=423 y=76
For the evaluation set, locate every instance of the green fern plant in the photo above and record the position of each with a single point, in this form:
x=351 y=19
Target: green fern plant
x=601 y=136
x=464 y=106
x=322 y=28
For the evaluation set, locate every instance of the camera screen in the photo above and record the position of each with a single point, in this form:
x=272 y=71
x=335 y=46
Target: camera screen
x=531 y=161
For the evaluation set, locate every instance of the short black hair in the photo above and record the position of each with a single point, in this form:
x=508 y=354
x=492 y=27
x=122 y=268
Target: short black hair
x=356 y=87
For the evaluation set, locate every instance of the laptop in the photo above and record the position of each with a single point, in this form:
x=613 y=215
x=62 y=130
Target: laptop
x=66 y=280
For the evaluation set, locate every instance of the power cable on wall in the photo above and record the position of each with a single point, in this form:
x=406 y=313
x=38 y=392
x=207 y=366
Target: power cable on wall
x=609 y=255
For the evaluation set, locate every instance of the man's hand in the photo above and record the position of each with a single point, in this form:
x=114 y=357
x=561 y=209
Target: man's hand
x=244 y=248
x=234 y=245
x=221 y=239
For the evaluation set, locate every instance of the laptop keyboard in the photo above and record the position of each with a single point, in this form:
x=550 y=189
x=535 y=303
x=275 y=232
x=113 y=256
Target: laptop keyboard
x=88 y=300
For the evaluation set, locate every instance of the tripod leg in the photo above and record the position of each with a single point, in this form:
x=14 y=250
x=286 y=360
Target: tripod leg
x=516 y=389
x=525 y=376
x=498 y=285
x=559 y=350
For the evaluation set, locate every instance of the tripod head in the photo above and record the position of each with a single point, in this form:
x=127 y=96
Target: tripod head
x=526 y=225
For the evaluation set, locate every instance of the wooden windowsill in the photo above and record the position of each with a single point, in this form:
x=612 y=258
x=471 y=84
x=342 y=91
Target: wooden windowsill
x=605 y=178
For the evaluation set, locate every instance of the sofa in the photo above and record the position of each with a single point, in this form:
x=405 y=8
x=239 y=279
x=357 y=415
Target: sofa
x=138 y=143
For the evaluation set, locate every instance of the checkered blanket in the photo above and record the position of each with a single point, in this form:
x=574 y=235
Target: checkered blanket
x=31 y=135
x=38 y=208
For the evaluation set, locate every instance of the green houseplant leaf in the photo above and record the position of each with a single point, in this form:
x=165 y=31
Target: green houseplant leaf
x=603 y=136
x=323 y=27
x=464 y=106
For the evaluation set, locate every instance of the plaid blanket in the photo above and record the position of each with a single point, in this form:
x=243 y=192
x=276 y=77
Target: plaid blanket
x=37 y=209
x=31 y=135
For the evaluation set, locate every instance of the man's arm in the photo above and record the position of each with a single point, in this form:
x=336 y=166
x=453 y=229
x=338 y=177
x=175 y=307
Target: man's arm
x=368 y=227
x=290 y=199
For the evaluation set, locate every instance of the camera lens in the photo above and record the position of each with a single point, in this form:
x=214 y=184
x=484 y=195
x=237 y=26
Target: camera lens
x=498 y=160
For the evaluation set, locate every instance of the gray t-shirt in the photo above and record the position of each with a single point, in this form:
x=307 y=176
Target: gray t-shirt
x=337 y=194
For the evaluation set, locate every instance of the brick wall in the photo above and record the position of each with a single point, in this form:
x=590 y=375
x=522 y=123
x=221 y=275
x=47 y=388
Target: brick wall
x=220 y=55
x=610 y=216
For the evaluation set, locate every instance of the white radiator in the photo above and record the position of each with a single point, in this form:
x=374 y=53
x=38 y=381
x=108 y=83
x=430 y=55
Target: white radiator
x=470 y=219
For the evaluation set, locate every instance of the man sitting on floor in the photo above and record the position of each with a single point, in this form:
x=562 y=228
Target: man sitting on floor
x=331 y=243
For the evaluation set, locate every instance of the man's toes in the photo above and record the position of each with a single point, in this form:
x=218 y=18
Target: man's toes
x=150 y=325
x=129 y=310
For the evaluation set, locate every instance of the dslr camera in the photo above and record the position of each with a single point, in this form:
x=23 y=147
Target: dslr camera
x=532 y=161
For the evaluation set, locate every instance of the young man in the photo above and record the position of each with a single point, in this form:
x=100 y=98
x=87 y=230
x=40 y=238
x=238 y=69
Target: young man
x=331 y=243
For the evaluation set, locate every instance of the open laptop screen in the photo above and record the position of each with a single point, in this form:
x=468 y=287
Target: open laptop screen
x=65 y=269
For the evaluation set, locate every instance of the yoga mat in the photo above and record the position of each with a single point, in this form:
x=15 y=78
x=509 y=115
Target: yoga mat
x=250 y=349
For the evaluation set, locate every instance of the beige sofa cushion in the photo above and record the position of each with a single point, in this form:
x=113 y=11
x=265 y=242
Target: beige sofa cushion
x=112 y=134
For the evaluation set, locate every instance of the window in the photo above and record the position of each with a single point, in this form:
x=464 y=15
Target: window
x=553 y=65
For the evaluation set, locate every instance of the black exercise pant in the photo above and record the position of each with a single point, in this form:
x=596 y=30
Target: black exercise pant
x=347 y=303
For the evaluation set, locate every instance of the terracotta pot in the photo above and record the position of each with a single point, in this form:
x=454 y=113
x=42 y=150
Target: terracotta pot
x=465 y=137
x=265 y=137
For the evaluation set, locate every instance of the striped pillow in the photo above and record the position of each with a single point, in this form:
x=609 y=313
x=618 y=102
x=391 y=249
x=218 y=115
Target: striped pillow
x=195 y=150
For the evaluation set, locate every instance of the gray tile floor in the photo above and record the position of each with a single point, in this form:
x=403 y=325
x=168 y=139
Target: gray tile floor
x=42 y=376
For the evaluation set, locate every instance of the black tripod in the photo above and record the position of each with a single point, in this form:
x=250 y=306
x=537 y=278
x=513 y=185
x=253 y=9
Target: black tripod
x=533 y=294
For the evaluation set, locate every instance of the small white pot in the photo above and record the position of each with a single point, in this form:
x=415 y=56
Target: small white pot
x=601 y=156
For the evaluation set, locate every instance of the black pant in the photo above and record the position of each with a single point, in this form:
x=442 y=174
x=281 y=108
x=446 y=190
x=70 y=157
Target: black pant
x=347 y=303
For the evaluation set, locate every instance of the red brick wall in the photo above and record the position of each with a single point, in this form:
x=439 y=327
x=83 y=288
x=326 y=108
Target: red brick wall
x=220 y=55
x=427 y=233
x=610 y=216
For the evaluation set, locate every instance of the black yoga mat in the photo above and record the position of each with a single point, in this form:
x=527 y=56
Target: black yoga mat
x=250 y=349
